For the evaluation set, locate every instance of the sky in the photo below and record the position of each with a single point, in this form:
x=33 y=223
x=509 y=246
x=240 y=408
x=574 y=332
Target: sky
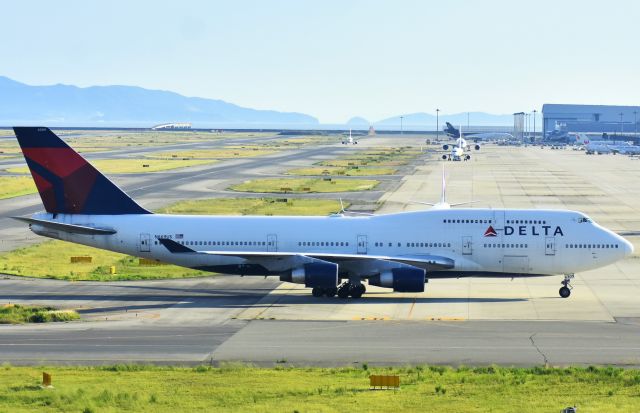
x=334 y=59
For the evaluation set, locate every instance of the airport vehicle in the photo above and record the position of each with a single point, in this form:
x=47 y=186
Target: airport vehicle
x=456 y=133
x=349 y=140
x=400 y=251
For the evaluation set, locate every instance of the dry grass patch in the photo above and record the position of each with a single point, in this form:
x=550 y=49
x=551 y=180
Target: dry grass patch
x=12 y=186
x=305 y=185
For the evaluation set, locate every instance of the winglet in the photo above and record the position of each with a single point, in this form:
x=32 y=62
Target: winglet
x=174 y=247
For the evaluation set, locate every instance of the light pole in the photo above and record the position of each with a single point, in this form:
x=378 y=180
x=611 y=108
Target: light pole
x=467 y=121
x=401 y=117
x=621 y=124
x=635 y=122
x=534 y=124
x=437 y=126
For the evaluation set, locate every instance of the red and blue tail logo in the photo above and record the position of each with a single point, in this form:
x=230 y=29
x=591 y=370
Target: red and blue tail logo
x=67 y=183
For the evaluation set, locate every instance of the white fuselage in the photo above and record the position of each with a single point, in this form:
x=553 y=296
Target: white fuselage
x=480 y=242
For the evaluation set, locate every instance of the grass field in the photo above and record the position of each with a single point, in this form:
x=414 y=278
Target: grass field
x=254 y=206
x=12 y=186
x=304 y=185
x=235 y=388
x=112 y=140
x=51 y=259
x=19 y=314
x=351 y=171
x=383 y=157
x=130 y=166
x=222 y=153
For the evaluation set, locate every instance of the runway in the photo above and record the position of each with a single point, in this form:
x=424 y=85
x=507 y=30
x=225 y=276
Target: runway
x=256 y=320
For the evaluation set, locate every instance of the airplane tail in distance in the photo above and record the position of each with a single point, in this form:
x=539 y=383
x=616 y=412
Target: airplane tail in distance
x=582 y=139
x=67 y=183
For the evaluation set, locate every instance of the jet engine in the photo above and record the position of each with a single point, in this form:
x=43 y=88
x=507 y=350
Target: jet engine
x=477 y=147
x=445 y=147
x=405 y=280
x=315 y=274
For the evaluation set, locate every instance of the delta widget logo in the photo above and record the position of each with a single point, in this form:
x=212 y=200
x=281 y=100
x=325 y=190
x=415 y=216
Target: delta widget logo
x=490 y=232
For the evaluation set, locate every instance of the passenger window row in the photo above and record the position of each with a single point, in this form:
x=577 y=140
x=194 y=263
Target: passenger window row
x=222 y=243
x=591 y=246
x=506 y=245
x=416 y=244
x=323 y=244
x=526 y=221
x=466 y=221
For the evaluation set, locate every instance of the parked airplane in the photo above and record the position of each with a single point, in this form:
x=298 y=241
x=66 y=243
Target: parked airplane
x=452 y=132
x=349 y=140
x=400 y=251
x=600 y=147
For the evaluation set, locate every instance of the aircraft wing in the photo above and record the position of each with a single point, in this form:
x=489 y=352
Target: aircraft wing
x=427 y=262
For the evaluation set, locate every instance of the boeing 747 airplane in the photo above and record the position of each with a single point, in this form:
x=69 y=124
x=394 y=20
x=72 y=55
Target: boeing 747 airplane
x=399 y=251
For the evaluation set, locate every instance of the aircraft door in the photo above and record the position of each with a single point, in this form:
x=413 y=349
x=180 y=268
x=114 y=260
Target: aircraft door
x=550 y=246
x=362 y=244
x=467 y=245
x=272 y=243
x=144 y=245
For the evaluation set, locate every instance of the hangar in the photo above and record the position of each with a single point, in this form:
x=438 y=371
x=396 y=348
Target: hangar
x=590 y=118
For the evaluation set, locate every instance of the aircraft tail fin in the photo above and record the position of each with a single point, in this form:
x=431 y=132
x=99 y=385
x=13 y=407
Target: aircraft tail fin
x=582 y=138
x=67 y=183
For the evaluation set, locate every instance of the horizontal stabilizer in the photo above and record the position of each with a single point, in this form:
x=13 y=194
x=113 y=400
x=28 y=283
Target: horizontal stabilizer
x=71 y=228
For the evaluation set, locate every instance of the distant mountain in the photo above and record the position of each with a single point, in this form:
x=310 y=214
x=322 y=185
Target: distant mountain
x=358 y=122
x=128 y=106
x=422 y=119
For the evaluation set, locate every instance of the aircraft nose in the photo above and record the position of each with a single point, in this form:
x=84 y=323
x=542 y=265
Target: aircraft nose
x=628 y=248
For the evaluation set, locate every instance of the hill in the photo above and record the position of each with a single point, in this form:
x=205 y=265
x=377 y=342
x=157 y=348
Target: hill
x=59 y=105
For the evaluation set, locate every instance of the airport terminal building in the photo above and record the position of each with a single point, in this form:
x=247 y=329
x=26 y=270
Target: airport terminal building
x=590 y=118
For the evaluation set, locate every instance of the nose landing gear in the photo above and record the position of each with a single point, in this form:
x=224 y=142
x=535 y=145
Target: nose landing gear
x=565 y=290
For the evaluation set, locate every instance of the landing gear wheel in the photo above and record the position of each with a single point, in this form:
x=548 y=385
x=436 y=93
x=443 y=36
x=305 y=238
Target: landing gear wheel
x=317 y=292
x=331 y=292
x=343 y=291
x=565 y=290
x=355 y=291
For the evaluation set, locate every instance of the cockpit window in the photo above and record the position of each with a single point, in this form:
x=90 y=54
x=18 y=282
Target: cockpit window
x=583 y=219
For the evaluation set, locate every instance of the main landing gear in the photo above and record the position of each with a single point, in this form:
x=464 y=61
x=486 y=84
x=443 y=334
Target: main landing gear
x=344 y=290
x=565 y=290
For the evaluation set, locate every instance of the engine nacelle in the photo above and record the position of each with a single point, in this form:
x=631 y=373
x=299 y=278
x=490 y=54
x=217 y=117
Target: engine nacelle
x=445 y=147
x=404 y=280
x=315 y=274
x=477 y=147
